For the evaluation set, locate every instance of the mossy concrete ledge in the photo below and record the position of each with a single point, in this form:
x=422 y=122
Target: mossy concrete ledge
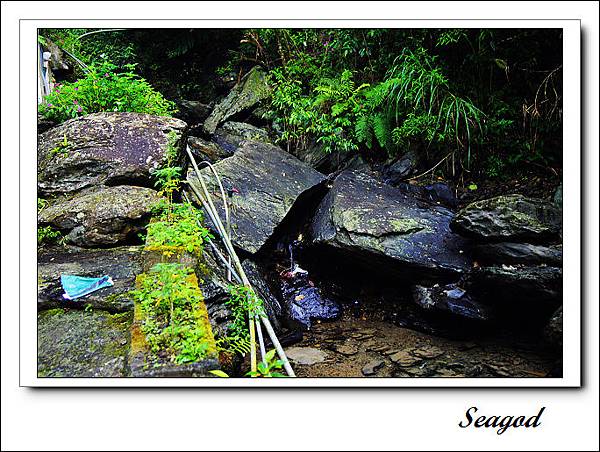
x=142 y=361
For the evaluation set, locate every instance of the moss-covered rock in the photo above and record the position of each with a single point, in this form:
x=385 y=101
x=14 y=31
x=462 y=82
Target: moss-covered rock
x=101 y=216
x=383 y=227
x=509 y=218
x=82 y=344
x=104 y=148
x=252 y=89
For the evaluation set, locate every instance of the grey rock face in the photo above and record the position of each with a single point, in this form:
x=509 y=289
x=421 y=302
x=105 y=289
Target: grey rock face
x=263 y=183
x=524 y=285
x=82 y=344
x=252 y=89
x=370 y=220
x=509 y=218
x=101 y=216
x=121 y=264
x=231 y=135
x=103 y=148
x=554 y=330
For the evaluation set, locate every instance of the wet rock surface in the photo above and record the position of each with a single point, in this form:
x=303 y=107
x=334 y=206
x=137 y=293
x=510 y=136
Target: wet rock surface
x=82 y=344
x=103 y=148
x=101 y=216
x=263 y=182
x=252 y=89
x=511 y=218
x=121 y=264
x=381 y=225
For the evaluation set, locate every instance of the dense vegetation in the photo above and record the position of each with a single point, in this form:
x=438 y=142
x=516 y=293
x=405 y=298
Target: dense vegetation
x=480 y=101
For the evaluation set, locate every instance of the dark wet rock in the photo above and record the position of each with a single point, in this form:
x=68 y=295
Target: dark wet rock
x=82 y=344
x=103 y=148
x=192 y=112
x=101 y=216
x=509 y=218
x=373 y=366
x=263 y=183
x=526 y=286
x=44 y=124
x=305 y=355
x=441 y=193
x=518 y=253
x=272 y=306
x=207 y=150
x=231 y=135
x=450 y=299
x=398 y=170
x=387 y=228
x=304 y=303
x=244 y=96
x=553 y=332
x=558 y=197
x=121 y=264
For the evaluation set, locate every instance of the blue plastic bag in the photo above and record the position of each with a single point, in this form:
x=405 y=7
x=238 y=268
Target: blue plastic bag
x=78 y=286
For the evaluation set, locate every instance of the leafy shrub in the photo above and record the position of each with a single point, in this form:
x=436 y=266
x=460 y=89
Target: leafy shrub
x=47 y=234
x=104 y=89
x=178 y=226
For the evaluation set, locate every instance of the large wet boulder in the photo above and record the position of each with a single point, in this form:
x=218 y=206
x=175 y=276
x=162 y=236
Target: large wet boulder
x=104 y=148
x=326 y=162
x=511 y=218
x=263 y=183
x=518 y=253
x=122 y=264
x=77 y=343
x=252 y=89
x=387 y=228
x=101 y=216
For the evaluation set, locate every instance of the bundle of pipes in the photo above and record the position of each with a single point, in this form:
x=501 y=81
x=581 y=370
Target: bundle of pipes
x=234 y=266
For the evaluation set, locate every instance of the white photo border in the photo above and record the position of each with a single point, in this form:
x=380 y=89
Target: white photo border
x=572 y=290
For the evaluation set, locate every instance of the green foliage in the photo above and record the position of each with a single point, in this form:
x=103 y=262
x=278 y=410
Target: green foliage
x=172 y=321
x=243 y=302
x=177 y=226
x=47 y=234
x=269 y=368
x=103 y=89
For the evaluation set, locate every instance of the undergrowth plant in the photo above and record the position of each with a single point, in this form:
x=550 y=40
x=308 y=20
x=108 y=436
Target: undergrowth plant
x=102 y=89
x=173 y=318
x=176 y=227
x=243 y=302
